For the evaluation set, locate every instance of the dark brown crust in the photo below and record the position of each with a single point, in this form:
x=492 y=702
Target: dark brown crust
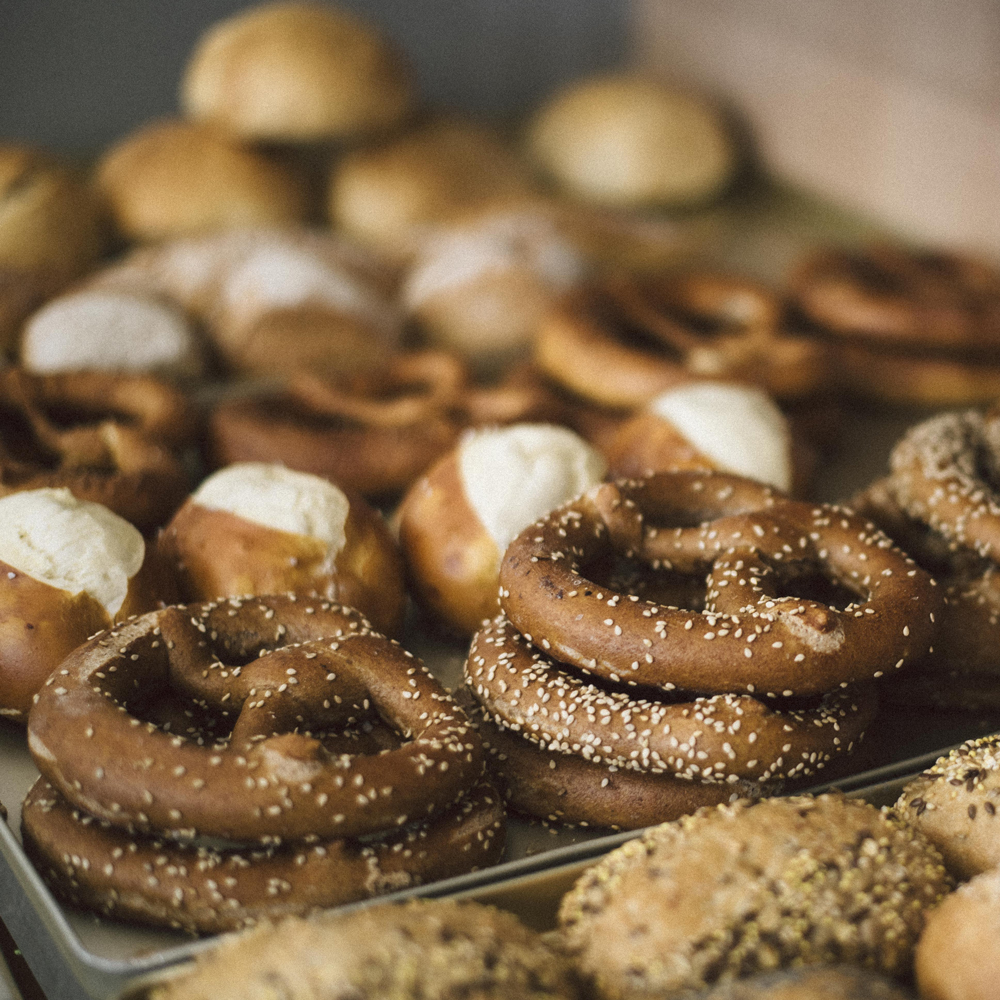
x=803 y=647
x=271 y=779
x=720 y=738
x=216 y=554
x=203 y=890
x=566 y=788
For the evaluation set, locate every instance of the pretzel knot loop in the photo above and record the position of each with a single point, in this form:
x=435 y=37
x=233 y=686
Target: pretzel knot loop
x=277 y=674
x=800 y=599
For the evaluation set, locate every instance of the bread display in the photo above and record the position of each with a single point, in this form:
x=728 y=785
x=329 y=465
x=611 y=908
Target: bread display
x=254 y=528
x=296 y=72
x=626 y=140
x=456 y=520
x=746 y=888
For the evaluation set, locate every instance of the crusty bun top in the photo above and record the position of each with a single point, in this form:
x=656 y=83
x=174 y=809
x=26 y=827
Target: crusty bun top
x=738 y=427
x=296 y=72
x=514 y=475
x=276 y=497
x=70 y=544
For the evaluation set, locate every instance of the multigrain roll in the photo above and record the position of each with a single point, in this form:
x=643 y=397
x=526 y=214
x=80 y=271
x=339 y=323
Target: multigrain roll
x=958 y=955
x=255 y=528
x=296 y=72
x=743 y=888
x=457 y=519
x=173 y=178
x=954 y=803
x=812 y=982
x=388 y=195
x=50 y=231
x=628 y=140
x=422 y=950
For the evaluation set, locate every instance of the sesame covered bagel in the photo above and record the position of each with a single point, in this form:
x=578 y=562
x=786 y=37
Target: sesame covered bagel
x=721 y=738
x=281 y=670
x=754 y=633
x=205 y=889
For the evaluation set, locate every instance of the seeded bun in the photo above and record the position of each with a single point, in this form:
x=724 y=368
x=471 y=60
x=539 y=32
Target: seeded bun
x=833 y=982
x=253 y=528
x=743 y=888
x=173 y=178
x=958 y=955
x=50 y=232
x=421 y=950
x=68 y=568
x=387 y=195
x=629 y=141
x=955 y=804
x=296 y=72
x=457 y=519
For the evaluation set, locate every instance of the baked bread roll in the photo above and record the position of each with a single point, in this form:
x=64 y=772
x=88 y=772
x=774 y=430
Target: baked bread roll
x=171 y=178
x=296 y=72
x=50 y=231
x=254 y=528
x=386 y=195
x=456 y=520
x=68 y=568
x=630 y=141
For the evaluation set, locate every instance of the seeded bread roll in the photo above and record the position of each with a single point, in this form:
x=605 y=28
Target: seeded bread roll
x=68 y=568
x=744 y=888
x=835 y=982
x=50 y=231
x=955 y=803
x=388 y=194
x=296 y=72
x=958 y=955
x=422 y=950
x=629 y=141
x=253 y=528
x=172 y=178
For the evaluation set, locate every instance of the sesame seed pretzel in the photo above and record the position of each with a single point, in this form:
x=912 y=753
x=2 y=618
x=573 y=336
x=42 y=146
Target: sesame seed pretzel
x=205 y=889
x=749 y=636
x=721 y=738
x=103 y=436
x=283 y=668
x=945 y=473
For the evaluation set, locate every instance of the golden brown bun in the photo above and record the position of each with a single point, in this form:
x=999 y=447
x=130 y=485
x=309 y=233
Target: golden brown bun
x=627 y=140
x=296 y=72
x=385 y=195
x=50 y=231
x=173 y=178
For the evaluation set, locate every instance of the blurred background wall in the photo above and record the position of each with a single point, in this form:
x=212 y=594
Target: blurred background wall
x=75 y=74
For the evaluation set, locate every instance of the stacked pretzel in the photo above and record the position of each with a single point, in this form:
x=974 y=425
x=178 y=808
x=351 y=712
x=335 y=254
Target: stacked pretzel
x=621 y=706
x=329 y=761
x=941 y=503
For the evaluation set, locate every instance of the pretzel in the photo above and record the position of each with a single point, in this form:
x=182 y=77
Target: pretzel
x=204 y=889
x=99 y=435
x=750 y=636
x=722 y=738
x=278 y=668
x=621 y=343
x=888 y=294
x=944 y=472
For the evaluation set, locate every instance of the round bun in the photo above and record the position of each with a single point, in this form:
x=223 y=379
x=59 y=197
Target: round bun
x=457 y=519
x=708 y=425
x=50 y=231
x=958 y=955
x=387 y=195
x=753 y=887
x=106 y=330
x=254 y=528
x=296 y=72
x=623 y=140
x=172 y=178
x=68 y=568
x=421 y=950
